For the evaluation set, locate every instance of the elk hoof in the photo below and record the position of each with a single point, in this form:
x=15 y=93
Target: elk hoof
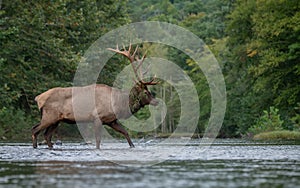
x=50 y=147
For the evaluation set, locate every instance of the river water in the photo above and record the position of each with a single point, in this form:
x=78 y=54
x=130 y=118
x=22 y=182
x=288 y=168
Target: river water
x=225 y=163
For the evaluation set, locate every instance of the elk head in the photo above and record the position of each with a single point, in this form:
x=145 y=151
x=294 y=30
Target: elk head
x=139 y=95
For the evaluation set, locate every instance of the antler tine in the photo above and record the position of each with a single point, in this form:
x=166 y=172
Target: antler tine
x=140 y=61
x=125 y=52
x=151 y=82
x=129 y=48
x=128 y=55
x=136 y=49
x=147 y=70
x=116 y=50
x=138 y=67
x=132 y=57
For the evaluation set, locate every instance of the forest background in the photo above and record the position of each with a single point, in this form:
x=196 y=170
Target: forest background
x=256 y=42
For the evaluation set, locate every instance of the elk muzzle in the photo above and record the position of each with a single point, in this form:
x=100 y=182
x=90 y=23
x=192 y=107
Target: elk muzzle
x=154 y=102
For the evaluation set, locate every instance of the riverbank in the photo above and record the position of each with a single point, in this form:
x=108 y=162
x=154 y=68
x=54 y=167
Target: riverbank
x=278 y=135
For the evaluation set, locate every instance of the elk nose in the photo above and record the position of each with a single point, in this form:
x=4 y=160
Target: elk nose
x=154 y=102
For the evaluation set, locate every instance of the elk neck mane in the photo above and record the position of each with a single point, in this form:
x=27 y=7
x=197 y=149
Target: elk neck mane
x=126 y=103
x=134 y=100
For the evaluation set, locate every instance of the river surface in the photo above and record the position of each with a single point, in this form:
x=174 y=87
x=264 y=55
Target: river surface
x=225 y=163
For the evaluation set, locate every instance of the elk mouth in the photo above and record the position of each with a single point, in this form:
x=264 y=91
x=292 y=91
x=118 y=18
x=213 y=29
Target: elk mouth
x=154 y=102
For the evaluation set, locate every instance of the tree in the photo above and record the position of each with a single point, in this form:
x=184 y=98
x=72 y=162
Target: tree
x=263 y=70
x=202 y=17
x=277 y=46
x=41 y=44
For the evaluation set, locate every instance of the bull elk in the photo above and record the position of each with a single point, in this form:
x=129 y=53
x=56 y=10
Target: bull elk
x=57 y=104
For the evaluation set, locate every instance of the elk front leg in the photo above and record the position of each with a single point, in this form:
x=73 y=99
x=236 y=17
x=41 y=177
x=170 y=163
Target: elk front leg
x=116 y=125
x=98 y=132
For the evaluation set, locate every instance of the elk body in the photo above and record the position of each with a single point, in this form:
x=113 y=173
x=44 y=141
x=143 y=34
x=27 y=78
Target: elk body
x=73 y=105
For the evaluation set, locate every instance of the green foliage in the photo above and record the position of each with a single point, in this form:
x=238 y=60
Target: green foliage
x=278 y=135
x=35 y=56
x=269 y=121
x=203 y=90
x=277 y=44
x=14 y=124
x=154 y=10
x=296 y=118
x=262 y=67
x=203 y=18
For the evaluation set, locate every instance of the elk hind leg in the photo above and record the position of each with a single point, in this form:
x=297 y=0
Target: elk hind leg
x=48 y=134
x=35 y=134
x=48 y=119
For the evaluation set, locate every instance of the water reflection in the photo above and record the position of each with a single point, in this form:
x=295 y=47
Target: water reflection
x=199 y=173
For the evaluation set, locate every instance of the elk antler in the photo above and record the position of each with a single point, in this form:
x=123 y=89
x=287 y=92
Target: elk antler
x=132 y=58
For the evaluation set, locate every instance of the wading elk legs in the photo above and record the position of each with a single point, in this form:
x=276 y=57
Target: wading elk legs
x=98 y=132
x=35 y=134
x=48 y=134
x=116 y=125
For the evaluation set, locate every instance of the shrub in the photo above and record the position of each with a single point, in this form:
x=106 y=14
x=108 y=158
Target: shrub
x=278 y=135
x=269 y=121
x=296 y=119
x=14 y=124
